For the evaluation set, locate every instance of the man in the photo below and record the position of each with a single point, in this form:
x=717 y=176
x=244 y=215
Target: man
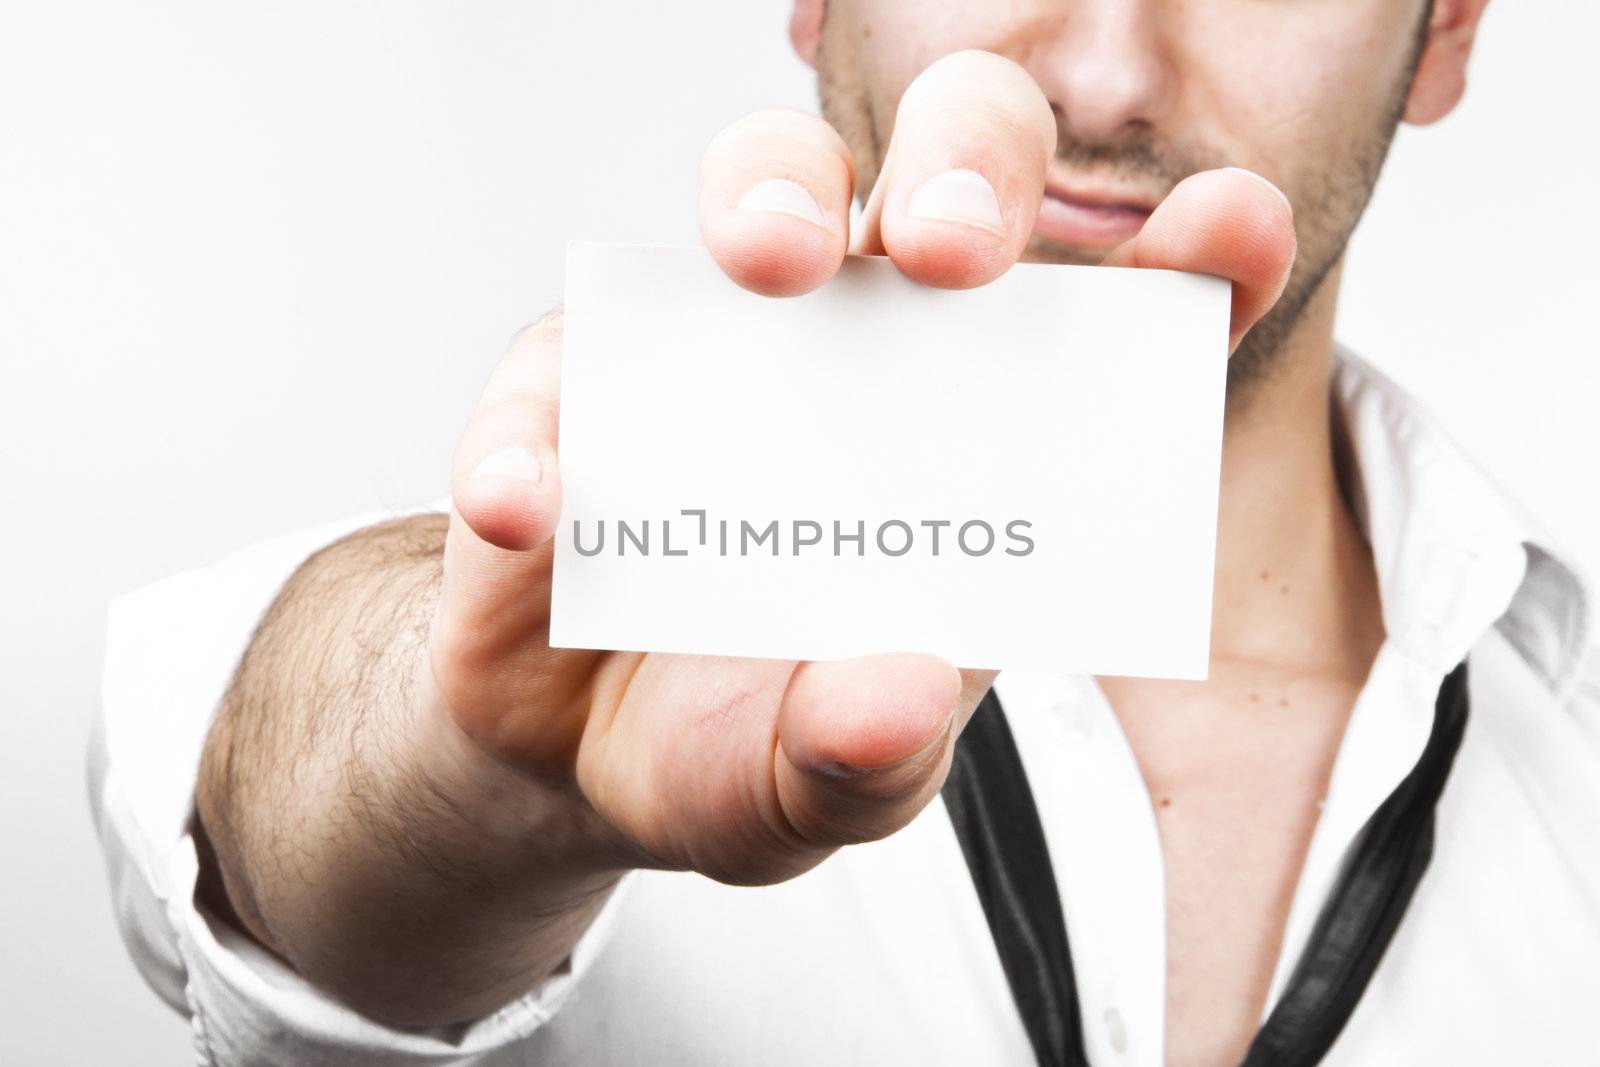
x=420 y=835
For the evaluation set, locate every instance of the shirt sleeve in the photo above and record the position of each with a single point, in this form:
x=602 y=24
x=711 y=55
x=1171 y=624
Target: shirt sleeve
x=171 y=648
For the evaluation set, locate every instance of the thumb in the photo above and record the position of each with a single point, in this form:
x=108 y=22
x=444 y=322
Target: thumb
x=864 y=743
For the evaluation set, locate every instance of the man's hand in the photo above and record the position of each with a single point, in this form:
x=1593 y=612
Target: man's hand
x=752 y=771
x=436 y=839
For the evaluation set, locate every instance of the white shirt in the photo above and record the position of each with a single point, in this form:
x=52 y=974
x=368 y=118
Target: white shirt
x=881 y=954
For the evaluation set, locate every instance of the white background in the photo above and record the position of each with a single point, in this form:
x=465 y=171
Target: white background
x=255 y=260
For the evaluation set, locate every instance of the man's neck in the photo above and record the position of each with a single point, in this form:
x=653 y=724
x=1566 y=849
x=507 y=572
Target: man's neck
x=1237 y=766
x=1294 y=584
x=1294 y=587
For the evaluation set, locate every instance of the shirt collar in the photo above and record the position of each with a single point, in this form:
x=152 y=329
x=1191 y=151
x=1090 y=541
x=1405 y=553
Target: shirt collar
x=1444 y=532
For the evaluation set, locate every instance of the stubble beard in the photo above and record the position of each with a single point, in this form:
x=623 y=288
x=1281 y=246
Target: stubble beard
x=1329 y=193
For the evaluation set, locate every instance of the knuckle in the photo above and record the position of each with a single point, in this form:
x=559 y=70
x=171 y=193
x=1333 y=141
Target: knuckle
x=783 y=123
x=995 y=88
x=729 y=702
x=517 y=415
x=975 y=69
x=781 y=136
x=520 y=418
x=523 y=405
x=973 y=73
x=545 y=330
x=530 y=371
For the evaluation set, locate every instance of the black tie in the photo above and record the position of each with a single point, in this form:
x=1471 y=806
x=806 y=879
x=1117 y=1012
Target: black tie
x=998 y=826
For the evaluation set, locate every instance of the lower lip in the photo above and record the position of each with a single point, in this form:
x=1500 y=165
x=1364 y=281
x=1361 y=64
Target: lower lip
x=1087 y=225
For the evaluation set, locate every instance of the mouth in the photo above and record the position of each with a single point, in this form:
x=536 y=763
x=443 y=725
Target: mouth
x=1088 y=216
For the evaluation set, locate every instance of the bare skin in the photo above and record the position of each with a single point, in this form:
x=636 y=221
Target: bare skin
x=1297 y=625
x=419 y=805
x=1143 y=93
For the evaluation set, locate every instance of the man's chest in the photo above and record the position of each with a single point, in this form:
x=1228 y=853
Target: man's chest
x=1236 y=775
x=882 y=954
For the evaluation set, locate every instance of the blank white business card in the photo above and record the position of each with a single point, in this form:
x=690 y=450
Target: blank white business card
x=1022 y=475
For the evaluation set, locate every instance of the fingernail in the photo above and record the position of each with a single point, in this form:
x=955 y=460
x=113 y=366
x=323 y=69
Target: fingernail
x=512 y=462
x=786 y=198
x=1281 y=194
x=958 y=196
x=844 y=772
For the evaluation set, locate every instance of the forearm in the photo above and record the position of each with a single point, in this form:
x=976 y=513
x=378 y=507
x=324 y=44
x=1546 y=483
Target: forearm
x=358 y=834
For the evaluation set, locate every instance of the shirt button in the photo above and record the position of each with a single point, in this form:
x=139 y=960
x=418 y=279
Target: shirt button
x=1116 y=1030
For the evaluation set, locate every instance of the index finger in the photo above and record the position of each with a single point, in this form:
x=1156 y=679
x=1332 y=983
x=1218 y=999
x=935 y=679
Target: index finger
x=964 y=175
